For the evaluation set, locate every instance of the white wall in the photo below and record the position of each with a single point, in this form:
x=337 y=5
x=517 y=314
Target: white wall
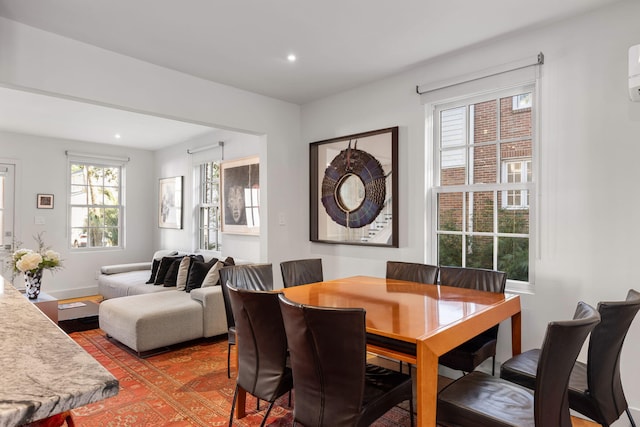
x=175 y=161
x=39 y=61
x=42 y=168
x=590 y=148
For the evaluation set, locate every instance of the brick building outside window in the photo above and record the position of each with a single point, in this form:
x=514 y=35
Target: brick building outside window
x=483 y=182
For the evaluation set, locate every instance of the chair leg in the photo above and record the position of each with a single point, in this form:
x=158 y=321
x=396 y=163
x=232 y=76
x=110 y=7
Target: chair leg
x=266 y=415
x=633 y=423
x=411 y=407
x=493 y=367
x=233 y=405
x=229 y=360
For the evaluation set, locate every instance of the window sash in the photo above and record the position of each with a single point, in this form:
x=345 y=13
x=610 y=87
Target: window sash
x=501 y=188
x=209 y=232
x=96 y=222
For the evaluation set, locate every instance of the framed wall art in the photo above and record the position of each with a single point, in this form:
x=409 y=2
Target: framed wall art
x=44 y=201
x=170 y=203
x=354 y=186
x=240 y=183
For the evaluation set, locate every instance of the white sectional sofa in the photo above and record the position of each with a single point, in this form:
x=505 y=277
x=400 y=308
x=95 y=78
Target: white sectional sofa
x=146 y=317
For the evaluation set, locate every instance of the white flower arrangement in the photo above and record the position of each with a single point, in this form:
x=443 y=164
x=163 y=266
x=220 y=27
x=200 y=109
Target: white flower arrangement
x=24 y=260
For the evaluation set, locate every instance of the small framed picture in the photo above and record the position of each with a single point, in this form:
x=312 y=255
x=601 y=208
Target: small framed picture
x=170 y=203
x=45 y=201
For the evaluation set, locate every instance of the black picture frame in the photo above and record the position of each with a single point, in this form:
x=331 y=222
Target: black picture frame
x=44 y=201
x=170 y=202
x=353 y=189
x=240 y=184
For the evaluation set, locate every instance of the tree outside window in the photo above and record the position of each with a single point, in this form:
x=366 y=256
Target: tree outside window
x=209 y=209
x=95 y=205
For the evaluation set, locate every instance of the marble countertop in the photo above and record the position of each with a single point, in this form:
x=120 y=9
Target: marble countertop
x=43 y=371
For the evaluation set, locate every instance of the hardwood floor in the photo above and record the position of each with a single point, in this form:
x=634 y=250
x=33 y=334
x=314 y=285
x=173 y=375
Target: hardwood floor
x=580 y=422
x=94 y=298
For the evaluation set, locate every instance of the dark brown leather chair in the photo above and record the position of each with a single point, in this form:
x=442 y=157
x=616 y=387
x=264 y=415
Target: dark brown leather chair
x=334 y=386
x=262 y=346
x=412 y=272
x=301 y=272
x=250 y=276
x=479 y=399
x=595 y=388
x=467 y=356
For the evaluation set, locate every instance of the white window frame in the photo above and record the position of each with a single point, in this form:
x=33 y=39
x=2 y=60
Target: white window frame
x=120 y=205
x=208 y=205
x=525 y=170
x=442 y=101
x=517 y=102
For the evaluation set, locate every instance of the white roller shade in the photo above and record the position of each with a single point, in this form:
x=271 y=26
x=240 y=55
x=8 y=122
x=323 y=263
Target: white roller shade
x=502 y=76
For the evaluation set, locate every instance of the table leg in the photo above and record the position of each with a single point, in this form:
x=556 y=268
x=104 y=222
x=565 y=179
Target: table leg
x=426 y=386
x=516 y=334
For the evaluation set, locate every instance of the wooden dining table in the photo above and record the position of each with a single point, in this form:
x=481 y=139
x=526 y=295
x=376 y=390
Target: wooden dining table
x=434 y=318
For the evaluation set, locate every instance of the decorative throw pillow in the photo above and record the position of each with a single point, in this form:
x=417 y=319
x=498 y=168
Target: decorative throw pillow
x=171 y=277
x=165 y=263
x=197 y=273
x=228 y=261
x=155 y=263
x=183 y=273
x=154 y=270
x=213 y=276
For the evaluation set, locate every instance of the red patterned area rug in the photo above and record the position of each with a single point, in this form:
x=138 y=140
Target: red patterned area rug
x=187 y=386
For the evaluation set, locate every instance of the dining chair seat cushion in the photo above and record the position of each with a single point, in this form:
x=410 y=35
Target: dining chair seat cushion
x=501 y=403
x=521 y=369
x=382 y=385
x=468 y=355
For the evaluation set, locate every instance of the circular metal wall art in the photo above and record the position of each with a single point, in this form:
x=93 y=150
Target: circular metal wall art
x=353 y=188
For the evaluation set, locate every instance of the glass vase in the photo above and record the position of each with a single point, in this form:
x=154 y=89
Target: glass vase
x=32 y=283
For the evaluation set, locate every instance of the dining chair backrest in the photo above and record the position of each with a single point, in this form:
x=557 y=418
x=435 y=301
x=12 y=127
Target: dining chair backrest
x=328 y=354
x=480 y=399
x=257 y=277
x=473 y=278
x=262 y=347
x=560 y=348
x=469 y=355
x=262 y=342
x=412 y=272
x=301 y=272
x=603 y=359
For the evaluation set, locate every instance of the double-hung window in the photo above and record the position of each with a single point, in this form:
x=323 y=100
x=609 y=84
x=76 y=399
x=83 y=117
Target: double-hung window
x=483 y=181
x=209 y=207
x=96 y=205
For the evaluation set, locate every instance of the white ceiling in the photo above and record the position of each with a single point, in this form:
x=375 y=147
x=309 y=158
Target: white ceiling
x=35 y=114
x=340 y=44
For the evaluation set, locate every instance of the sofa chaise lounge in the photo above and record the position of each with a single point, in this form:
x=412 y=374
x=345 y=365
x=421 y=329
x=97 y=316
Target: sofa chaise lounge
x=146 y=316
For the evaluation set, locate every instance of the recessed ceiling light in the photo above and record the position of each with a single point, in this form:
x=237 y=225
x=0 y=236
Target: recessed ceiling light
x=117 y=136
x=291 y=57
